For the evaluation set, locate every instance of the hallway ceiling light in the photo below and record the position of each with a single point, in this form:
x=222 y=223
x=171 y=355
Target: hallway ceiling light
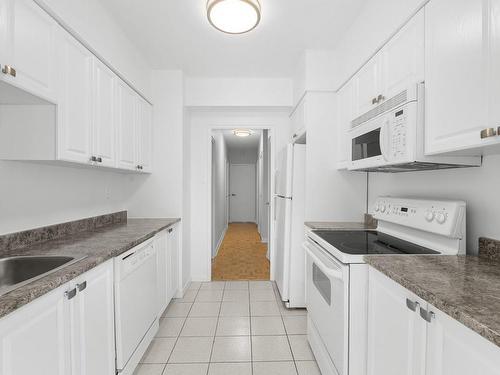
x=234 y=16
x=242 y=132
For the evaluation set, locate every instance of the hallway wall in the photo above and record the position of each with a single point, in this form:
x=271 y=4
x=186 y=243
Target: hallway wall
x=219 y=190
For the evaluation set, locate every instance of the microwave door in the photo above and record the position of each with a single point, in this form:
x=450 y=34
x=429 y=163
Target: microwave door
x=366 y=145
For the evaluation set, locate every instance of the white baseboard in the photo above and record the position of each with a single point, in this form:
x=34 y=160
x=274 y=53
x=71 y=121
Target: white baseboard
x=219 y=243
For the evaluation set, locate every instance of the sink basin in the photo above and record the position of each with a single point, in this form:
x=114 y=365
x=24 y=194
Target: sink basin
x=19 y=270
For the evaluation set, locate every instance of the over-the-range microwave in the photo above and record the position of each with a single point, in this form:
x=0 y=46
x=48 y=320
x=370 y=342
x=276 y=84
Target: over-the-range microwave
x=390 y=138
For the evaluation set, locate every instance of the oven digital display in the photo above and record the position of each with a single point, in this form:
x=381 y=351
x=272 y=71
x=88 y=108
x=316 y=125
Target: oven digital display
x=404 y=209
x=399 y=113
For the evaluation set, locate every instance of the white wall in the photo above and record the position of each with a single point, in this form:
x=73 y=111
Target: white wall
x=238 y=92
x=263 y=187
x=219 y=193
x=477 y=186
x=93 y=24
x=198 y=139
x=35 y=195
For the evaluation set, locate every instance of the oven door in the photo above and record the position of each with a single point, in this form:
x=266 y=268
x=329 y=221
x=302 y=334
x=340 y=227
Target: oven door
x=327 y=295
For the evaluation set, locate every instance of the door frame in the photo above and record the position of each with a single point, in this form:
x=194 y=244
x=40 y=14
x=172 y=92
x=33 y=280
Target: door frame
x=272 y=157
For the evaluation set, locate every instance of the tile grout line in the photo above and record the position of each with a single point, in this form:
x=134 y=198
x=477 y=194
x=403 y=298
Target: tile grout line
x=179 y=335
x=216 y=328
x=250 y=323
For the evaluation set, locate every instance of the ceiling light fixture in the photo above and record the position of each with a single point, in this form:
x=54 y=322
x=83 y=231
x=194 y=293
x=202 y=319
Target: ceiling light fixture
x=234 y=16
x=242 y=132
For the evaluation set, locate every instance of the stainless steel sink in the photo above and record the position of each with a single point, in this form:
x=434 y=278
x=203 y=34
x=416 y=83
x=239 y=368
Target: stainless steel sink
x=20 y=270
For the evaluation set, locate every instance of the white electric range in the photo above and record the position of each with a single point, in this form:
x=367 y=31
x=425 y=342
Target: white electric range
x=337 y=276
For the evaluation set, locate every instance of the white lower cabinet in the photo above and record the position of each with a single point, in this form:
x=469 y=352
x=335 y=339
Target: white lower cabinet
x=92 y=322
x=406 y=335
x=166 y=244
x=35 y=339
x=70 y=330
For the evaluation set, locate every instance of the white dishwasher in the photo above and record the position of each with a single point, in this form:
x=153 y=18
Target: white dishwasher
x=136 y=317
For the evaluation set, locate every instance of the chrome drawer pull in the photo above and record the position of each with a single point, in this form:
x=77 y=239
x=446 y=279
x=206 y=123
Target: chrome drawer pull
x=412 y=305
x=70 y=293
x=7 y=69
x=488 y=132
x=427 y=315
x=81 y=287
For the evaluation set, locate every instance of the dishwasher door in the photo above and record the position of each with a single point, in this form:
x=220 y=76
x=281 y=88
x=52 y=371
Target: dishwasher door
x=135 y=299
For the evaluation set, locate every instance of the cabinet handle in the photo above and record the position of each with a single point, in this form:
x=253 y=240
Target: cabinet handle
x=70 y=293
x=374 y=101
x=139 y=167
x=99 y=159
x=7 y=69
x=488 y=132
x=170 y=230
x=412 y=305
x=427 y=315
x=93 y=158
x=82 y=286
x=380 y=98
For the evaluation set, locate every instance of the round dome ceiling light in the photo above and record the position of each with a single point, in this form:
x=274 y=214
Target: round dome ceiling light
x=242 y=132
x=234 y=16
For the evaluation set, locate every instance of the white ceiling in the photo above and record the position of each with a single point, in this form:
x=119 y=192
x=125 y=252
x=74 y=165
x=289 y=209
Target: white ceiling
x=175 y=34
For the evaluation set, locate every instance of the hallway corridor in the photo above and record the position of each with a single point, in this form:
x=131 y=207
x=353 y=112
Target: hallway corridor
x=242 y=255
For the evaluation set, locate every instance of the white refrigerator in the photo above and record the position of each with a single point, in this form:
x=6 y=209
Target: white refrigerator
x=289 y=258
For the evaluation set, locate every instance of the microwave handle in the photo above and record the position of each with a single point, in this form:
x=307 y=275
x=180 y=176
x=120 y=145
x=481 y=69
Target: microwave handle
x=384 y=140
x=337 y=274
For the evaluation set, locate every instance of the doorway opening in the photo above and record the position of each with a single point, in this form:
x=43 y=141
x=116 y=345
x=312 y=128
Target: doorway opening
x=240 y=204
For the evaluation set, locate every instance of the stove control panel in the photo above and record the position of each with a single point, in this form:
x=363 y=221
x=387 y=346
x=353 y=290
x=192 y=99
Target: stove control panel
x=444 y=217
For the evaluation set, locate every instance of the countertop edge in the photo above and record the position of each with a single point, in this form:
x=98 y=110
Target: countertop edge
x=451 y=310
x=66 y=274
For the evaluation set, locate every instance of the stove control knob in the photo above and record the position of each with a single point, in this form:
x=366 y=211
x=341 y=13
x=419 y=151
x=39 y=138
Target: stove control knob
x=429 y=216
x=382 y=208
x=440 y=218
x=376 y=208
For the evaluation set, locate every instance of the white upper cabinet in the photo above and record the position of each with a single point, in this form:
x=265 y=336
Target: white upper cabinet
x=396 y=333
x=368 y=86
x=126 y=114
x=345 y=116
x=399 y=64
x=462 y=74
x=403 y=58
x=28 y=48
x=144 y=135
x=103 y=129
x=74 y=120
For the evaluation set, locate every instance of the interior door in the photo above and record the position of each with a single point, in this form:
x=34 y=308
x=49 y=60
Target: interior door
x=242 y=186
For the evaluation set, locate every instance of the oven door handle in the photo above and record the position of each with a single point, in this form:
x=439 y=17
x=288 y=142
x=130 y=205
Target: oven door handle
x=337 y=274
x=384 y=140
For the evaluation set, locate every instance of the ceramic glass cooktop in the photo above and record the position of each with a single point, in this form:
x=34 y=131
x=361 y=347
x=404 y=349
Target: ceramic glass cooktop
x=370 y=242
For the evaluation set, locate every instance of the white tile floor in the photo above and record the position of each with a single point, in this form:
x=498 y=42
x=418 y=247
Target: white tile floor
x=230 y=328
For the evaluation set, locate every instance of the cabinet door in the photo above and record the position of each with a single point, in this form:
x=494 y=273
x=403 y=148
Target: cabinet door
x=35 y=338
x=126 y=112
x=345 y=116
x=74 y=109
x=367 y=86
x=403 y=58
x=173 y=261
x=6 y=19
x=31 y=42
x=396 y=333
x=455 y=75
x=161 y=247
x=144 y=135
x=92 y=322
x=494 y=80
x=454 y=349
x=103 y=109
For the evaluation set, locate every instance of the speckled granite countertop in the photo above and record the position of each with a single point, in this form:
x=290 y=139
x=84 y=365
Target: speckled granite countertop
x=99 y=245
x=465 y=287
